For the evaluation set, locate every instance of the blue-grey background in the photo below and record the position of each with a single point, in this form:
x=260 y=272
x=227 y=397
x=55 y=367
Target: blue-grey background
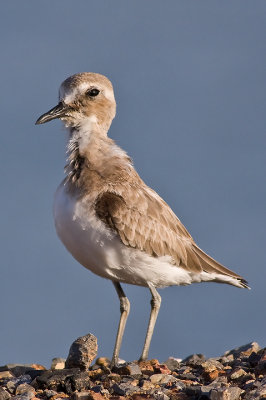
x=189 y=78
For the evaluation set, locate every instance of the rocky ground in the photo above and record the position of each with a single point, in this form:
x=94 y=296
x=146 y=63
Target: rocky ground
x=238 y=374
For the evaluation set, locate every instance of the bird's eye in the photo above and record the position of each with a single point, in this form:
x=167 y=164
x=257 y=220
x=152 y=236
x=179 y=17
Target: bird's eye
x=92 y=92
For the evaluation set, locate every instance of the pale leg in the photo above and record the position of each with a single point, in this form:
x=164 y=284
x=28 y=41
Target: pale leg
x=124 y=310
x=155 y=307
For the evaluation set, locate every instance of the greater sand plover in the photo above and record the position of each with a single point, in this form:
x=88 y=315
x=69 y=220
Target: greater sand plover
x=109 y=219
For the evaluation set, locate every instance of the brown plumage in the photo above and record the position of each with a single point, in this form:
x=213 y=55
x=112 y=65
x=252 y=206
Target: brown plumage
x=154 y=228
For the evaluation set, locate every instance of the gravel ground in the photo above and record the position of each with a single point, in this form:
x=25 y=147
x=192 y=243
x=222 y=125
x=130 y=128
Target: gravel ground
x=238 y=374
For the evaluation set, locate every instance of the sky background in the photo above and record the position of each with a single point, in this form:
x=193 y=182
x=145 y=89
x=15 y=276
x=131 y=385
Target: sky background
x=189 y=79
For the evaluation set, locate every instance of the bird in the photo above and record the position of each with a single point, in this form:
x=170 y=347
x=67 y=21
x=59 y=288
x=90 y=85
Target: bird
x=109 y=219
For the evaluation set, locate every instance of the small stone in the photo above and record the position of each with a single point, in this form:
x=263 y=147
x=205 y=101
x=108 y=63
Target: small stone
x=95 y=396
x=25 y=389
x=95 y=374
x=131 y=369
x=193 y=391
x=58 y=363
x=261 y=367
x=124 y=389
x=226 y=359
x=231 y=393
x=162 y=369
x=211 y=365
x=13 y=367
x=114 y=377
x=173 y=363
x=254 y=358
x=187 y=376
x=160 y=395
x=194 y=359
x=38 y=366
x=146 y=367
x=237 y=373
x=54 y=380
x=146 y=385
x=177 y=395
x=84 y=395
x=78 y=382
x=4 y=395
x=59 y=396
x=162 y=379
x=117 y=397
x=11 y=386
x=103 y=362
x=82 y=352
x=205 y=390
x=49 y=393
x=6 y=374
x=212 y=369
x=244 y=351
x=27 y=369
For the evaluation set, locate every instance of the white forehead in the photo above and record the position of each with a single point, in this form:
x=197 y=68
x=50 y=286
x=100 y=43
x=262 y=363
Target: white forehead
x=69 y=94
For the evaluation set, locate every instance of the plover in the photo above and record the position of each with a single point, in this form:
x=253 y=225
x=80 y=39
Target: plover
x=109 y=219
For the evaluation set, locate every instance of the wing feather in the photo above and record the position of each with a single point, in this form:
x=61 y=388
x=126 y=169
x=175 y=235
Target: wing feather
x=144 y=221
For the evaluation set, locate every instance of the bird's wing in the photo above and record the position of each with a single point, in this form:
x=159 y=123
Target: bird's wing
x=144 y=221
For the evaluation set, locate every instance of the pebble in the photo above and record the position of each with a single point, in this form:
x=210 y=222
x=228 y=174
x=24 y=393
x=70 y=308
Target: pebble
x=238 y=373
x=173 y=363
x=79 y=381
x=25 y=389
x=146 y=385
x=194 y=359
x=231 y=393
x=160 y=368
x=211 y=365
x=4 y=395
x=58 y=363
x=114 y=377
x=6 y=374
x=244 y=351
x=49 y=393
x=160 y=395
x=54 y=380
x=162 y=379
x=146 y=367
x=124 y=389
x=88 y=395
x=82 y=352
x=103 y=362
x=59 y=396
x=131 y=369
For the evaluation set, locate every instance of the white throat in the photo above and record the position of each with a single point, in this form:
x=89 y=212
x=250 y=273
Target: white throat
x=82 y=134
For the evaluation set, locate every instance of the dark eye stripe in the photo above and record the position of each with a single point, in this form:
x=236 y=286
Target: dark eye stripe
x=93 y=92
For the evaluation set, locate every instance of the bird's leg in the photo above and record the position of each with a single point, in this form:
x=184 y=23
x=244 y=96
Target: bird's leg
x=124 y=310
x=155 y=307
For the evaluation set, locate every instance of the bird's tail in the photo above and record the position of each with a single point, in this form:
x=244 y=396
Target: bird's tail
x=218 y=271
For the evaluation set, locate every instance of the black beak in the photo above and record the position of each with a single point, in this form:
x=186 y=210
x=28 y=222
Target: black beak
x=58 y=111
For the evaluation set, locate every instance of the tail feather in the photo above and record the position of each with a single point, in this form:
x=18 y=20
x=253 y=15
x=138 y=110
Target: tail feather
x=210 y=265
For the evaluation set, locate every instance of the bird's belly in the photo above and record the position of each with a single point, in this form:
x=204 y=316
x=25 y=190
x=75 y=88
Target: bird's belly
x=100 y=250
x=84 y=236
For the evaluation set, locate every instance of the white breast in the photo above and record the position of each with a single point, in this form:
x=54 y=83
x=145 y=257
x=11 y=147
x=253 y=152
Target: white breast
x=100 y=250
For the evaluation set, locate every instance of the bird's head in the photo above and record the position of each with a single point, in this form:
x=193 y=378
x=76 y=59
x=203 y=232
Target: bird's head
x=84 y=98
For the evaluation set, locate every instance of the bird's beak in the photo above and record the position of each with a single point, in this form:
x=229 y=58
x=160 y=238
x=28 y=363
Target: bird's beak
x=58 y=111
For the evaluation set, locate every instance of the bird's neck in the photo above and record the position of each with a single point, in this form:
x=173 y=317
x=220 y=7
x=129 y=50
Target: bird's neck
x=91 y=151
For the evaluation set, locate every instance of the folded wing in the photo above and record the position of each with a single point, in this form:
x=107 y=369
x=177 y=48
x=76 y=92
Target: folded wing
x=145 y=222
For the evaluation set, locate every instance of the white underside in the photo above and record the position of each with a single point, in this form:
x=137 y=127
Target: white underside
x=100 y=250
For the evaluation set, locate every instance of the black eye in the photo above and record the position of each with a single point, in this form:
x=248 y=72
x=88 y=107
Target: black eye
x=92 y=92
